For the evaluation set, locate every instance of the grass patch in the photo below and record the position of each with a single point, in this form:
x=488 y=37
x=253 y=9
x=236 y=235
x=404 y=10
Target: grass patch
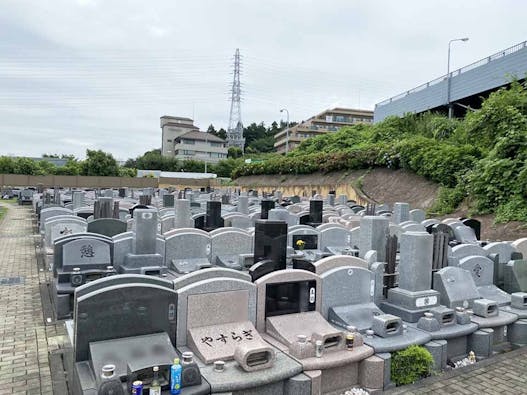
x=3 y=210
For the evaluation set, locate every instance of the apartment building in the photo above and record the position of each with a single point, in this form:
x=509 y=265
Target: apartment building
x=182 y=140
x=325 y=122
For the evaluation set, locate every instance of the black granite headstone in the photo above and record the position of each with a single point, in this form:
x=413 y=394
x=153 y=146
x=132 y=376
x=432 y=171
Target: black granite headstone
x=168 y=200
x=266 y=206
x=213 y=219
x=270 y=242
x=315 y=212
x=475 y=225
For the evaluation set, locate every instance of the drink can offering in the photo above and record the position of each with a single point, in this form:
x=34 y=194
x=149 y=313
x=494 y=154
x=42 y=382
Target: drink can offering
x=137 y=387
x=349 y=341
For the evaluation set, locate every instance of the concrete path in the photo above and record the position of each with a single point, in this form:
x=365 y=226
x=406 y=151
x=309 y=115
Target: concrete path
x=25 y=340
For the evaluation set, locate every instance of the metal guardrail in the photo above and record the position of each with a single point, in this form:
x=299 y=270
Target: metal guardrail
x=471 y=66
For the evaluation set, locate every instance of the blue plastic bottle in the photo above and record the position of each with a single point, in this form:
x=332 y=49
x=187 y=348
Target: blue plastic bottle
x=175 y=377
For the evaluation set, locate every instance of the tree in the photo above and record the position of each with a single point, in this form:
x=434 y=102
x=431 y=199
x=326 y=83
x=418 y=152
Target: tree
x=222 y=134
x=127 y=172
x=25 y=166
x=225 y=167
x=234 y=152
x=153 y=160
x=99 y=163
x=7 y=165
x=211 y=130
x=73 y=167
x=44 y=168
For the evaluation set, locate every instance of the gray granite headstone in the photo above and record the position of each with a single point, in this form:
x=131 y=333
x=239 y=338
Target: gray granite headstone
x=77 y=199
x=182 y=214
x=415 y=267
x=214 y=301
x=515 y=276
x=63 y=225
x=480 y=267
x=417 y=215
x=464 y=250
x=504 y=251
x=465 y=234
x=335 y=237
x=373 y=235
x=456 y=287
x=346 y=285
x=401 y=212
x=145 y=231
x=482 y=270
x=103 y=208
x=230 y=245
x=243 y=204
x=85 y=253
x=46 y=213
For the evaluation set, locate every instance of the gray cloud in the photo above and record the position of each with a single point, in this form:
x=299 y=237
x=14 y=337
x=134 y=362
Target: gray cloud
x=99 y=74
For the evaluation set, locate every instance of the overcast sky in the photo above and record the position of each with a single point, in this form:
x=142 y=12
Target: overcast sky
x=98 y=74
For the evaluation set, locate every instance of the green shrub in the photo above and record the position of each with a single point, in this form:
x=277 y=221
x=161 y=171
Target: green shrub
x=411 y=364
x=448 y=200
x=513 y=210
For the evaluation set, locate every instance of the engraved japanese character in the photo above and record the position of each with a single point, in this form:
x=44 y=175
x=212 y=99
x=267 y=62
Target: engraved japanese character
x=207 y=340
x=66 y=231
x=222 y=338
x=248 y=334
x=87 y=251
x=236 y=337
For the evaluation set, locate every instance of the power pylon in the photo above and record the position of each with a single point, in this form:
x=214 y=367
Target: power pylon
x=235 y=131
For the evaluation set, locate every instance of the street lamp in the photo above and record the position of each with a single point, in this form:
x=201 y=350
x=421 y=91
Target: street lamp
x=450 y=107
x=286 y=130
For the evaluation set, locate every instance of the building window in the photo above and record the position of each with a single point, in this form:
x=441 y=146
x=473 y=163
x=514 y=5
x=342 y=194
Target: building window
x=189 y=152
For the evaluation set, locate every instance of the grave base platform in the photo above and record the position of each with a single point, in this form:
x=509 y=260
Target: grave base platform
x=492 y=292
x=266 y=381
x=394 y=343
x=517 y=333
x=521 y=313
x=503 y=318
x=410 y=305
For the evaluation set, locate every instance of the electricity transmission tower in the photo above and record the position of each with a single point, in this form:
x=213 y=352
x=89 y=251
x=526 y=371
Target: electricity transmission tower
x=235 y=130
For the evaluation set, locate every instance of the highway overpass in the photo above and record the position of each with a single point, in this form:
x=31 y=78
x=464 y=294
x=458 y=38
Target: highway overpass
x=468 y=84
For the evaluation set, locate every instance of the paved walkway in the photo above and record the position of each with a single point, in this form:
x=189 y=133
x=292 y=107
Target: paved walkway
x=25 y=340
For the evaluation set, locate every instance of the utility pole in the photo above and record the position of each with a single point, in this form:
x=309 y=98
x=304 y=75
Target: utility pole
x=449 y=77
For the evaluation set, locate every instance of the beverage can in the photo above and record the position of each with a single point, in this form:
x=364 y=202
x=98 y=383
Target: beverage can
x=137 y=387
x=349 y=341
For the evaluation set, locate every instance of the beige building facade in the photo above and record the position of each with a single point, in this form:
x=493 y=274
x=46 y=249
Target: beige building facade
x=182 y=140
x=325 y=122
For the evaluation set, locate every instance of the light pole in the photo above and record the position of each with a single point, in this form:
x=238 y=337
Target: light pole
x=286 y=130
x=450 y=107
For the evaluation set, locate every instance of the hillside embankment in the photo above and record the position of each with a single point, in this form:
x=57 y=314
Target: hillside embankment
x=378 y=185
